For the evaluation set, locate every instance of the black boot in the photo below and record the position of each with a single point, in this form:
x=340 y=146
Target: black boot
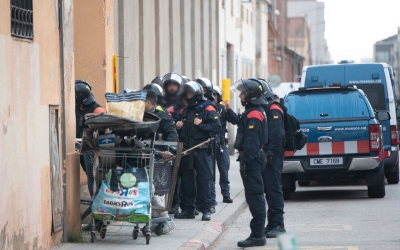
x=275 y=231
x=206 y=216
x=184 y=215
x=212 y=210
x=196 y=212
x=252 y=242
x=268 y=228
x=174 y=209
x=227 y=199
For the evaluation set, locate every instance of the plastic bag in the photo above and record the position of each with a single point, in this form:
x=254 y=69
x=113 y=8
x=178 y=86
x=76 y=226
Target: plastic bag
x=122 y=205
x=129 y=105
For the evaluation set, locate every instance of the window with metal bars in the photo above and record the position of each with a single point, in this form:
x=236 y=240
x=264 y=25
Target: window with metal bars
x=22 y=18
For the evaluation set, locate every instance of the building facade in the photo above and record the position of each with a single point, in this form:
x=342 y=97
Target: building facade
x=388 y=51
x=299 y=38
x=243 y=45
x=37 y=131
x=315 y=13
x=284 y=64
x=154 y=37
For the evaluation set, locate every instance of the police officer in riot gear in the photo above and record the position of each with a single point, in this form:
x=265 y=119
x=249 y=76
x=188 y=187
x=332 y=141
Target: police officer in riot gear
x=185 y=79
x=171 y=83
x=208 y=94
x=157 y=80
x=175 y=112
x=84 y=104
x=207 y=87
x=226 y=114
x=275 y=154
x=200 y=123
x=154 y=100
x=250 y=139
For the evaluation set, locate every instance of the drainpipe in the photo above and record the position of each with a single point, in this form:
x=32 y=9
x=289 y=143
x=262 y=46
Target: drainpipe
x=63 y=117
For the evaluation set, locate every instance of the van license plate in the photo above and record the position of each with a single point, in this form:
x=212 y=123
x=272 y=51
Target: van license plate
x=326 y=161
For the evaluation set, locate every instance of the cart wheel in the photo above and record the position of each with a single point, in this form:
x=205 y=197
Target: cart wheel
x=99 y=225
x=92 y=237
x=135 y=234
x=144 y=230
x=103 y=233
x=148 y=236
x=158 y=230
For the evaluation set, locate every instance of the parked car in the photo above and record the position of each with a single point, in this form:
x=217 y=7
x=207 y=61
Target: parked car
x=345 y=139
x=376 y=80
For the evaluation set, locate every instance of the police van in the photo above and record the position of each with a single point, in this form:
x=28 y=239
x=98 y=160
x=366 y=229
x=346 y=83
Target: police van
x=376 y=80
x=345 y=139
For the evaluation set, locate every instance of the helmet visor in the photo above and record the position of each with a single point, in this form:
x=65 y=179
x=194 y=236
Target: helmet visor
x=172 y=77
x=238 y=88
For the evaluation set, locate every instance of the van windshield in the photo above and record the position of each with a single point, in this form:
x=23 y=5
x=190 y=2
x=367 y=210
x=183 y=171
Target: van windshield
x=327 y=105
x=375 y=94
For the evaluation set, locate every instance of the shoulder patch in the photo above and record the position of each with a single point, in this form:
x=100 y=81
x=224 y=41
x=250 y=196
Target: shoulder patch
x=276 y=117
x=251 y=126
x=276 y=107
x=216 y=117
x=210 y=108
x=256 y=114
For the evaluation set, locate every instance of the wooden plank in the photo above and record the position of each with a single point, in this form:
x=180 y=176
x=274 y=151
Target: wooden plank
x=174 y=176
x=55 y=173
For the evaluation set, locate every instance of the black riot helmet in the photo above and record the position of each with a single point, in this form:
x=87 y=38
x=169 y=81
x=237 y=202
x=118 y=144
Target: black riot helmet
x=252 y=89
x=185 y=79
x=157 y=80
x=156 y=89
x=267 y=90
x=207 y=85
x=83 y=94
x=171 y=78
x=217 y=90
x=196 y=89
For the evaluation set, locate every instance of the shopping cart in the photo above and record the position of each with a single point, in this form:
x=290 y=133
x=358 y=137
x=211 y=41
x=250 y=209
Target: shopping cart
x=123 y=171
x=125 y=190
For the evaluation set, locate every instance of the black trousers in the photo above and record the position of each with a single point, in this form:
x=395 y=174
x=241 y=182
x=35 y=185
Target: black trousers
x=253 y=183
x=195 y=183
x=273 y=189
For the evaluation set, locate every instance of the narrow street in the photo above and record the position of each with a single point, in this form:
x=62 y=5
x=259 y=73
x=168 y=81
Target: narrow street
x=332 y=218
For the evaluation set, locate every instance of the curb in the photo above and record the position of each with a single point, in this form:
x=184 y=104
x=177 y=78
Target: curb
x=213 y=229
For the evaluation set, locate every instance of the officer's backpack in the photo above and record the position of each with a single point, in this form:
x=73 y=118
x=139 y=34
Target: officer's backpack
x=294 y=137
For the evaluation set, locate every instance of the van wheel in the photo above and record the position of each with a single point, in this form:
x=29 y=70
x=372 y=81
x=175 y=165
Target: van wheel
x=393 y=177
x=286 y=194
x=292 y=186
x=376 y=191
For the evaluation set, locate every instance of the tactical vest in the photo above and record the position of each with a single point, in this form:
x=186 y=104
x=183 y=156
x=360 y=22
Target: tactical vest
x=80 y=118
x=192 y=134
x=243 y=123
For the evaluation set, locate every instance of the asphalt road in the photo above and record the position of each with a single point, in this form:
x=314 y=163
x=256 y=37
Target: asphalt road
x=332 y=217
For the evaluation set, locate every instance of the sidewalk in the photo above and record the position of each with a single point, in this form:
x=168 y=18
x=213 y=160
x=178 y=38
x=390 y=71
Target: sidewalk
x=188 y=234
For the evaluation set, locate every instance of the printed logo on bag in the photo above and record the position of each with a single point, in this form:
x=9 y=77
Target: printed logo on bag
x=131 y=192
x=117 y=203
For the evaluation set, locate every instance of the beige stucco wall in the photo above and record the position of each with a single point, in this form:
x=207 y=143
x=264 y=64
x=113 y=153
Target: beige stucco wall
x=29 y=83
x=94 y=45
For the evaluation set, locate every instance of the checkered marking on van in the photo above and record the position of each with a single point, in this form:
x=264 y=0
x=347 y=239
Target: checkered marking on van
x=332 y=148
